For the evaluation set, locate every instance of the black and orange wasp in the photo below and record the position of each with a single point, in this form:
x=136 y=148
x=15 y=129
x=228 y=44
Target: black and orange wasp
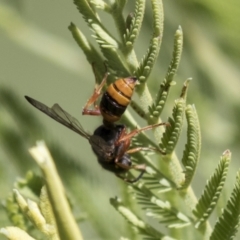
x=109 y=143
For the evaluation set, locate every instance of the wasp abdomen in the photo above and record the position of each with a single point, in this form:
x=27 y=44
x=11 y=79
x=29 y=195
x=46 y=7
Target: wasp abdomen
x=110 y=109
x=116 y=99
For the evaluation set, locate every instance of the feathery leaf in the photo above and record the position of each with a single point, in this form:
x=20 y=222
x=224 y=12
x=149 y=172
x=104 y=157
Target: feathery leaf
x=191 y=153
x=212 y=190
x=157 y=208
x=29 y=186
x=14 y=213
x=46 y=208
x=227 y=225
x=117 y=15
x=100 y=4
x=109 y=46
x=160 y=100
x=139 y=225
x=92 y=55
x=147 y=62
x=133 y=30
x=172 y=133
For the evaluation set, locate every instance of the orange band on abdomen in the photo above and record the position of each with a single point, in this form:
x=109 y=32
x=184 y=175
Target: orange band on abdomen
x=117 y=95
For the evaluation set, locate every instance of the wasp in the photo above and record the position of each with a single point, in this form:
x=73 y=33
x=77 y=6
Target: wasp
x=114 y=100
x=110 y=144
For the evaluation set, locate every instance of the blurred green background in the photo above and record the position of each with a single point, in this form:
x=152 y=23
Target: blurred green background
x=39 y=58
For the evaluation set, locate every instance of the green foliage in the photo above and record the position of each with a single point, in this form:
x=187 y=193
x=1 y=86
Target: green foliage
x=172 y=133
x=147 y=62
x=157 y=208
x=138 y=224
x=161 y=196
x=133 y=24
x=192 y=150
x=51 y=213
x=23 y=214
x=228 y=223
x=212 y=191
x=91 y=53
x=14 y=213
x=160 y=100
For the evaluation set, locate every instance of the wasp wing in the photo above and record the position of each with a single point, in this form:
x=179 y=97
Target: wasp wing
x=61 y=116
x=101 y=148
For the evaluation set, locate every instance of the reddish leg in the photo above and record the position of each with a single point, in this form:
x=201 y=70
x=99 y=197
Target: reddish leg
x=124 y=136
x=125 y=139
x=93 y=99
x=137 y=149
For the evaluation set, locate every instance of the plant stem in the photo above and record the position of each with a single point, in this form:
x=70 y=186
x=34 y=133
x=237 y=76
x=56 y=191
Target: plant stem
x=67 y=227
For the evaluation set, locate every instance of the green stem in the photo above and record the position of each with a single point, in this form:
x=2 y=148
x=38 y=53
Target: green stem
x=66 y=224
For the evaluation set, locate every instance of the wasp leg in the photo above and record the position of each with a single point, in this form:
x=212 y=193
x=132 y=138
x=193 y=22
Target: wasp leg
x=135 y=179
x=137 y=167
x=125 y=140
x=96 y=80
x=137 y=149
x=125 y=137
x=93 y=99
